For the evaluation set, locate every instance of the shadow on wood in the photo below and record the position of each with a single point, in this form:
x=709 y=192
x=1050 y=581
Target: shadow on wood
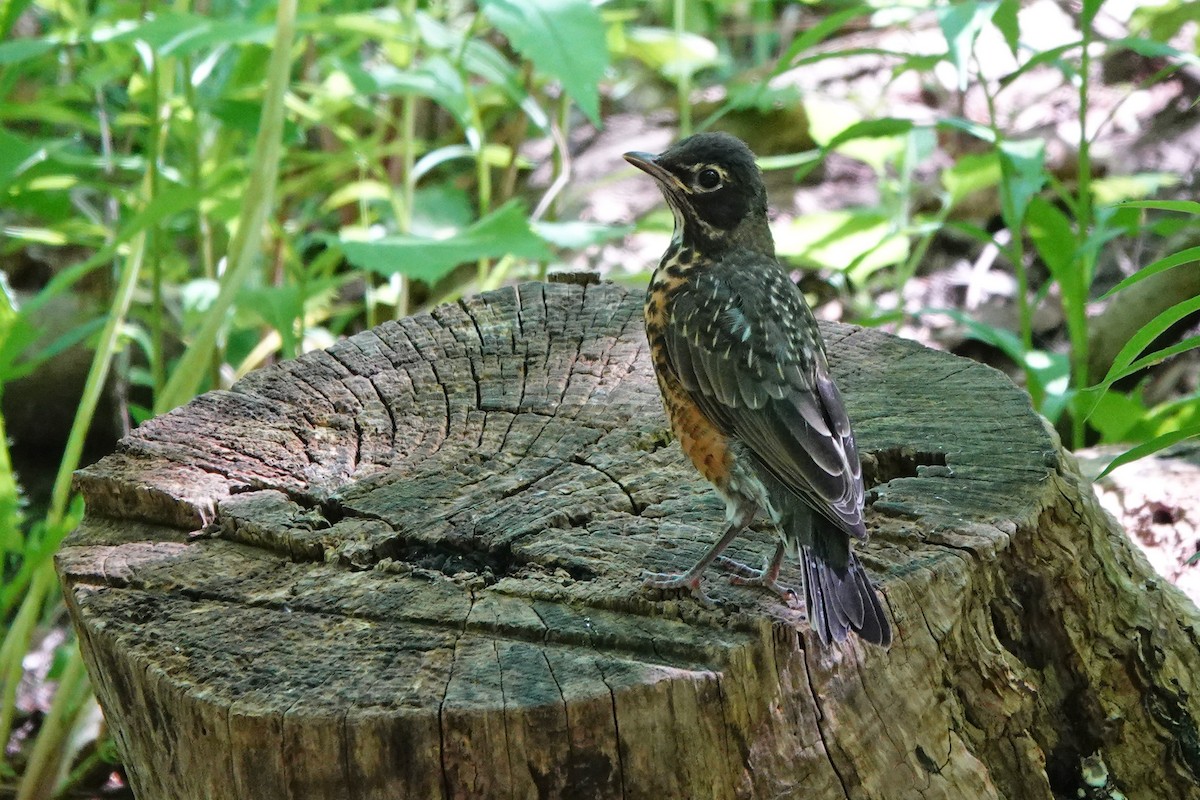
x=423 y=582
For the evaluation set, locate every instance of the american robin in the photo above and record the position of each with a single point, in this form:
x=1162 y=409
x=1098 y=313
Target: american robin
x=746 y=386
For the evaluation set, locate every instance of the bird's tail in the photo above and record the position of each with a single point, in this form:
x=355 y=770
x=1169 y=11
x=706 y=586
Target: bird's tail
x=841 y=599
x=838 y=593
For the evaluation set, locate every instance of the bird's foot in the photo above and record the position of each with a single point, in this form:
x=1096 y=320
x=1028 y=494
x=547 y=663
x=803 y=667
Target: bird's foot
x=686 y=580
x=768 y=578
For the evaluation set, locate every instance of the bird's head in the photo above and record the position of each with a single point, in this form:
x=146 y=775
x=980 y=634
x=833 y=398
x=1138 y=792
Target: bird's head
x=715 y=189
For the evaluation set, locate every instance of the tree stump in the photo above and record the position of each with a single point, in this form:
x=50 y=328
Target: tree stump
x=420 y=578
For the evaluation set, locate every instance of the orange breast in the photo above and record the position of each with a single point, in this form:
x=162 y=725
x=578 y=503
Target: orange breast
x=706 y=446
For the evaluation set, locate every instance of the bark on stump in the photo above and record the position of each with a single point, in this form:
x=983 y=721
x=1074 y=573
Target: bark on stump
x=424 y=583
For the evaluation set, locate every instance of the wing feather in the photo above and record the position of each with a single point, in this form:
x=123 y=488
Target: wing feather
x=750 y=357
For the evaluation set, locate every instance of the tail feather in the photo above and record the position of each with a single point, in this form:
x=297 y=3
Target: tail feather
x=841 y=599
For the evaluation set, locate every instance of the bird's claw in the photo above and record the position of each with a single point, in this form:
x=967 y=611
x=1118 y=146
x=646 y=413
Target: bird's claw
x=745 y=575
x=668 y=581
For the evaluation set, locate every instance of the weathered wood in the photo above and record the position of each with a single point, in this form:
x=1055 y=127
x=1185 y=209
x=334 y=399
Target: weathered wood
x=423 y=582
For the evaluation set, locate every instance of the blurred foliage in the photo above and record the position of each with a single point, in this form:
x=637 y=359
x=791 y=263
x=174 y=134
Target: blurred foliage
x=242 y=184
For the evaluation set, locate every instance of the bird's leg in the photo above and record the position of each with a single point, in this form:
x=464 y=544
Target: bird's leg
x=767 y=577
x=691 y=580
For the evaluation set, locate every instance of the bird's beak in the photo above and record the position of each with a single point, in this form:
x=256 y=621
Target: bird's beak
x=648 y=163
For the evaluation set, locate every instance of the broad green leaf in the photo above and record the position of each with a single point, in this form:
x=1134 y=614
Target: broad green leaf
x=855 y=241
x=1007 y=22
x=484 y=60
x=673 y=56
x=971 y=173
x=827 y=120
x=563 y=38
x=1054 y=238
x=876 y=142
x=1120 y=188
x=172 y=33
x=872 y=129
x=576 y=235
x=981 y=132
x=1187 y=256
x=440 y=208
x=961 y=24
x=18 y=154
x=20 y=50
x=436 y=78
x=1115 y=415
x=1149 y=448
x=281 y=307
x=505 y=231
x=1022 y=169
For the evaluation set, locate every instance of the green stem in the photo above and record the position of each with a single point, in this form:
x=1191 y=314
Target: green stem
x=408 y=143
x=1076 y=295
x=44 y=761
x=683 y=81
x=154 y=148
x=257 y=202
x=16 y=644
x=106 y=349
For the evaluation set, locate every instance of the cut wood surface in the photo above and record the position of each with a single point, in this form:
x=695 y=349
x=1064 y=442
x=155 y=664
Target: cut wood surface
x=420 y=578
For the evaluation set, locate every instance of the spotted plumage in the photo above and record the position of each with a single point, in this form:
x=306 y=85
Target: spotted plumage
x=747 y=389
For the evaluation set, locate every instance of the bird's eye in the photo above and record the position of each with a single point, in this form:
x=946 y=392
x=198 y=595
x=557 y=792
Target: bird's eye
x=708 y=179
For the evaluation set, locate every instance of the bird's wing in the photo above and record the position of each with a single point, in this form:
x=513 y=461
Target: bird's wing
x=746 y=348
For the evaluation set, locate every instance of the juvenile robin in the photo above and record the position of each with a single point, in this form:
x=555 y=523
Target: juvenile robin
x=747 y=389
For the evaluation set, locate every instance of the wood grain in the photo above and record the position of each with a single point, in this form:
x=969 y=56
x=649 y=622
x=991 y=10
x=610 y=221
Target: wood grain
x=421 y=579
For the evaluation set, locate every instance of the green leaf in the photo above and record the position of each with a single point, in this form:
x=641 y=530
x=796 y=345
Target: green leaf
x=1153 y=49
x=1124 y=363
x=20 y=50
x=1161 y=265
x=872 y=129
x=1054 y=238
x=1023 y=176
x=1159 y=356
x=855 y=241
x=821 y=31
x=961 y=24
x=1183 y=206
x=563 y=38
x=505 y=231
x=673 y=56
x=172 y=33
x=1120 y=188
x=1006 y=21
x=17 y=155
x=981 y=132
x=971 y=173
x=577 y=235
x=789 y=160
x=1116 y=415
x=1149 y=448
x=436 y=78
x=1051 y=56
